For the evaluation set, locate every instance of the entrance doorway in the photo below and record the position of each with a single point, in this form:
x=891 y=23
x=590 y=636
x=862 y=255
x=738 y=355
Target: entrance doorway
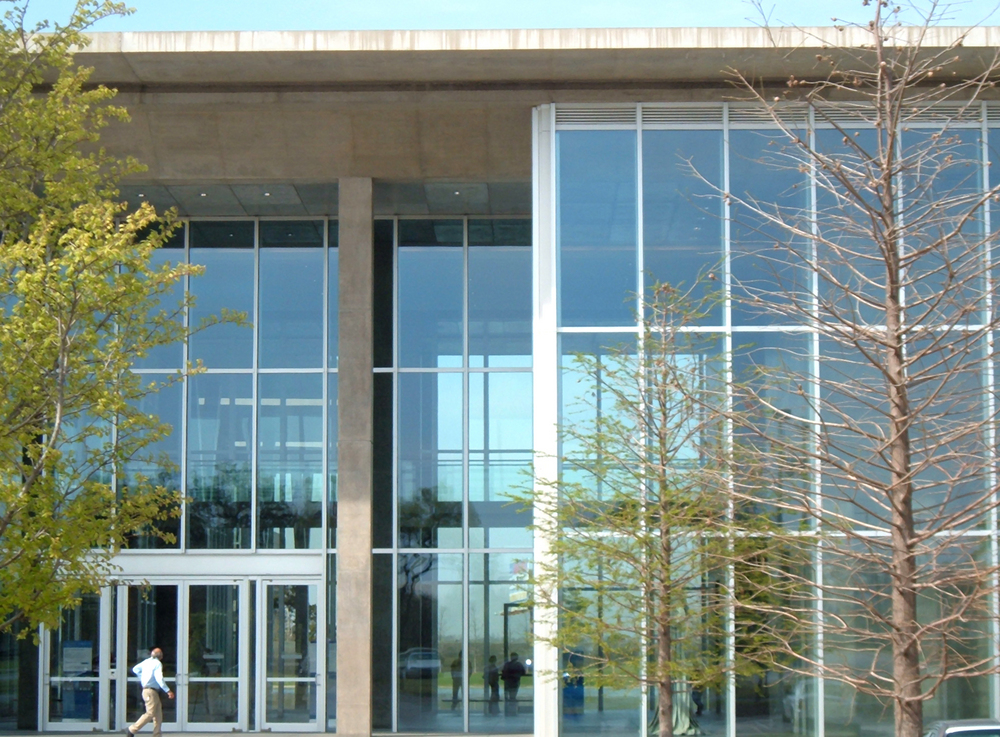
x=238 y=655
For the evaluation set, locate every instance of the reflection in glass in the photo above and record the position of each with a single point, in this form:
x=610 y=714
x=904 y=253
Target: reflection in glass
x=225 y=249
x=19 y=685
x=290 y=487
x=500 y=454
x=331 y=644
x=333 y=293
x=152 y=622
x=430 y=460
x=431 y=280
x=220 y=417
x=290 y=323
x=500 y=293
x=682 y=213
x=213 y=654
x=74 y=663
x=384 y=293
x=597 y=227
x=500 y=620
x=291 y=653
x=160 y=462
x=766 y=262
x=167 y=356
x=331 y=438
x=430 y=637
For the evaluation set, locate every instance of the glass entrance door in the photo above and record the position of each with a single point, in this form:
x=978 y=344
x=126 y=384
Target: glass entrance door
x=75 y=684
x=291 y=668
x=203 y=632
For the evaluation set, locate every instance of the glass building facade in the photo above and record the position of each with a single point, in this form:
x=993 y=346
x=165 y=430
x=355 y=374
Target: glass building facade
x=474 y=321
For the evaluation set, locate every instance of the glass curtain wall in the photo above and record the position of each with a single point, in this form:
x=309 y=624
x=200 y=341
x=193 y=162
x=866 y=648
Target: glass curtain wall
x=453 y=398
x=254 y=439
x=637 y=202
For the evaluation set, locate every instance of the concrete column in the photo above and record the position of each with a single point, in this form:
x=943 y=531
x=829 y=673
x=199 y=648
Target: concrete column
x=354 y=462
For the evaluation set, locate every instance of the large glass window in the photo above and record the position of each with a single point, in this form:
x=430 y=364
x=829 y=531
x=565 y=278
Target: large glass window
x=290 y=490
x=597 y=212
x=226 y=250
x=220 y=430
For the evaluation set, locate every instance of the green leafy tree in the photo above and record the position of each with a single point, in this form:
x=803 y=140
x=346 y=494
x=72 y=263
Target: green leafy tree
x=79 y=302
x=648 y=548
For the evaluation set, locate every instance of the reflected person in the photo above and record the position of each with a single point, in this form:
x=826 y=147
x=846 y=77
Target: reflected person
x=456 y=680
x=511 y=674
x=491 y=679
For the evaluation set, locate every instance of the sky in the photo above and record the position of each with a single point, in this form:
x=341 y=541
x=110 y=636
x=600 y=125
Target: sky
x=298 y=15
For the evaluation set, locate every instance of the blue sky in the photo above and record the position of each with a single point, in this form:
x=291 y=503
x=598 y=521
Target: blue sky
x=248 y=15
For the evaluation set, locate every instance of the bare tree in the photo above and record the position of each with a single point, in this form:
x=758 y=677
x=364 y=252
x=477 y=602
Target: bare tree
x=888 y=271
x=648 y=544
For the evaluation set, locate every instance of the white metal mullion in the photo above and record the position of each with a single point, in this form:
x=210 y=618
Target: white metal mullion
x=243 y=648
x=394 y=266
x=465 y=474
x=186 y=317
x=991 y=409
x=104 y=659
x=254 y=525
x=640 y=317
x=816 y=474
x=325 y=430
x=727 y=325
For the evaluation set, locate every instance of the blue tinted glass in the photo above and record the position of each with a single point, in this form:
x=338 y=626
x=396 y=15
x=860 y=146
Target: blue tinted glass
x=290 y=324
x=160 y=462
x=430 y=304
x=430 y=460
x=682 y=211
x=499 y=304
x=333 y=294
x=766 y=260
x=290 y=489
x=596 y=212
x=220 y=423
x=167 y=356
x=225 y=249
x=331 y=438
x=500 y=453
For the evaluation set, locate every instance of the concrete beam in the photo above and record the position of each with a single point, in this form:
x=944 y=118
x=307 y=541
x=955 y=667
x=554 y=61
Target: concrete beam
x=354 y=462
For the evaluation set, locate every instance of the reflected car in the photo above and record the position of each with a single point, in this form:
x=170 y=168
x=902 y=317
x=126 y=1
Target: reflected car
x=419 y=662
x=965 y=728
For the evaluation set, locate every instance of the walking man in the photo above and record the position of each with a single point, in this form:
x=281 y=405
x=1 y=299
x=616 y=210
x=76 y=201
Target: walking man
x=150 y=672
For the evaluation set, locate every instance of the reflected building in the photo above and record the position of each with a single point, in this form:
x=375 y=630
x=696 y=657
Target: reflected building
x=419 y=227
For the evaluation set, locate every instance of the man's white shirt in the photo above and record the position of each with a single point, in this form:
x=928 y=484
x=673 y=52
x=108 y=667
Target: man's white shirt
x=150 y=672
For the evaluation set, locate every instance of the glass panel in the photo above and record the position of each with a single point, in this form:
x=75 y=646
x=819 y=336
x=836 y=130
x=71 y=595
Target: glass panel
x=290 y=489
x=597 y=227
x=152 y=622
x=682 y=214
x=291 y=653
x=431 y=277
x=213 y=653
x=500 y=454
x=500 y=617
x=74 y=652
x=225 y=249
x=331 y=436
x=290 y=325
x=384 y=291
x=220 y=416
x=160 y=462
x=18 y=680
x=168 y=356
x=430 y=639
x=430 y=460
x=766 y=262
x=383 y=582
x=331 y=644
x=333 y=292
x=499 y=293
x=383 y=441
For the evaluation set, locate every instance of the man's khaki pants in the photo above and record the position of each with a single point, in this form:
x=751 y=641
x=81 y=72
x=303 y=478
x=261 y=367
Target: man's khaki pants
x=154 y=712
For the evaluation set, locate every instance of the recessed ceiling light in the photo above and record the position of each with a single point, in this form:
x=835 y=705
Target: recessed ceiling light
x=203 y=194
x=141 y=194
x=457 y=192
x=267 y=194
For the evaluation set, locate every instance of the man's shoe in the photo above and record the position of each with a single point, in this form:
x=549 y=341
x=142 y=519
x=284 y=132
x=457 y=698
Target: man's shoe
x=129 y=732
